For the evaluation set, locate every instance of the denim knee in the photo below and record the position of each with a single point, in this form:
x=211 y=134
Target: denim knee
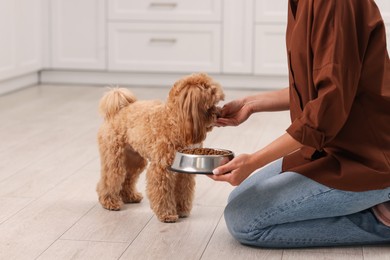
x=238 y=224
x=232 y=223
x=241 y=229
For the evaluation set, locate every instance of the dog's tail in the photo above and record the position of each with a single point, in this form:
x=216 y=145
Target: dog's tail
x=114 y=100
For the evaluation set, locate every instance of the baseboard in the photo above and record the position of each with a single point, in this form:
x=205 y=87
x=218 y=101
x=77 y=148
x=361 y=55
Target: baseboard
x=156 y=79
x=19 y=82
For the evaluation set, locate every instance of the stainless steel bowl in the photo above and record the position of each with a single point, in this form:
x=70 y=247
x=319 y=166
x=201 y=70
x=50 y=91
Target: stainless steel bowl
x=199 y=164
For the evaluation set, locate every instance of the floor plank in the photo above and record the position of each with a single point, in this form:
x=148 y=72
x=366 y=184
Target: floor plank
x=186 y=239
x=33 y=229
x=339 y=253
x=223 y=246
x=44 y=173
x=376 y=252
x=83 y=250
x=10 y=206
x=113 y=226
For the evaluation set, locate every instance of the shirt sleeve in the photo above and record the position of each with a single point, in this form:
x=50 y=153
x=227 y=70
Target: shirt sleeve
x=336 y=63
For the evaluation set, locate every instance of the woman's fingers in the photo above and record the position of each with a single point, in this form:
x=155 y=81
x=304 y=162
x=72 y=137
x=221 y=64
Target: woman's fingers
x=221 y=177
x=226 y=168
x=233 y=172
x=232 y=121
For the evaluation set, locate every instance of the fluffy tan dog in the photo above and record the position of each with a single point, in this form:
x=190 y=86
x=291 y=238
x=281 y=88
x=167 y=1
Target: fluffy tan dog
x=135 y=132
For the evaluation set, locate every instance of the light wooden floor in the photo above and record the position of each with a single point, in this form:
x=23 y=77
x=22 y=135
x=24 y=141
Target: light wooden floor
x=49 y=167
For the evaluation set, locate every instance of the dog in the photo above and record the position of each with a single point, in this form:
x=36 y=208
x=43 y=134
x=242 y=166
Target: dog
x=136 y=133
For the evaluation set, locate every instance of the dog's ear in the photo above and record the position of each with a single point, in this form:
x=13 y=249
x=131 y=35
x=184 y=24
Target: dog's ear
x=192 y=114
x=195 y=97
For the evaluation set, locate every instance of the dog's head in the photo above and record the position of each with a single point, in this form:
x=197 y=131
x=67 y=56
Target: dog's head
x=193 y=99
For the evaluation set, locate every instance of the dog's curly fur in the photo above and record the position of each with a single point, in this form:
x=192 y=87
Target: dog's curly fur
x=135 y=132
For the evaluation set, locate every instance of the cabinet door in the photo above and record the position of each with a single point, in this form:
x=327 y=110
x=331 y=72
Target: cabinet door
x=78 y=34
x=237 y=36
x=21 y=37
x=271 y=11
x=384 y=7
x=388 y=38
x=165 y=10
x=270 y=43
x=270 y=50
x=182 y=47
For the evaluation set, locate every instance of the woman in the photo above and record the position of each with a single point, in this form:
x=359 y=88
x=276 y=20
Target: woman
x=333 y=165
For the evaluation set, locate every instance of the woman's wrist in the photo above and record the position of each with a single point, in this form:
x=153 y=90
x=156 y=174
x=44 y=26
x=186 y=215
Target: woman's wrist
x=253 y=104
x=256 y=160
x=268 y=101
x=279 y=148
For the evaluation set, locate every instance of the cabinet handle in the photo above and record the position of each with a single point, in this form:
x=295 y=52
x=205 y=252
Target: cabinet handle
x=163 y=40
x=163 y=5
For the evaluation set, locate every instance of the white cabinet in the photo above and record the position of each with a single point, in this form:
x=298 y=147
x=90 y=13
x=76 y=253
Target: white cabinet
x=237 y=43
x=164 y=47
x=21 y=37
x=78 y=34
x=388 y=38
x=163 y=10
x=270 y=50
x=181 y=36
x=384 y=7
x=270 y=39
x=164 y=36
x=271 y=11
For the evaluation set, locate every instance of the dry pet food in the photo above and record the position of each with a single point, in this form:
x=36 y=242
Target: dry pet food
x=204 y=151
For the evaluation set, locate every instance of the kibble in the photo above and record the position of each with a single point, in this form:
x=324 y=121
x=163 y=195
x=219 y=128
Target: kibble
x=204 y=151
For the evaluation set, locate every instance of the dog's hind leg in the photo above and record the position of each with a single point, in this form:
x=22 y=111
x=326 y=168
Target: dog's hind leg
x=160 y=189
x=184 y=193
x=113 y=173
x=134 y=164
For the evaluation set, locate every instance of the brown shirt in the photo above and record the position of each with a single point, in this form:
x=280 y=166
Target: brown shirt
x=339 y=93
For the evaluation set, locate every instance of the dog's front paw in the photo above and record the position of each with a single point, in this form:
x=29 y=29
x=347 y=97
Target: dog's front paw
x=183 y=214
x=134 y=197
x=111 y=203
x=168 y=218
x=183 y=208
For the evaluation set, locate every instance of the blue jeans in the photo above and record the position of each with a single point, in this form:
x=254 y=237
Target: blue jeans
x=289 y=210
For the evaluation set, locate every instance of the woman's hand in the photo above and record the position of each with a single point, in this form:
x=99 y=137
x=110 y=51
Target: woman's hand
x=234 y=113
x=238 y=111
x=238 y=169
x=235 y=171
